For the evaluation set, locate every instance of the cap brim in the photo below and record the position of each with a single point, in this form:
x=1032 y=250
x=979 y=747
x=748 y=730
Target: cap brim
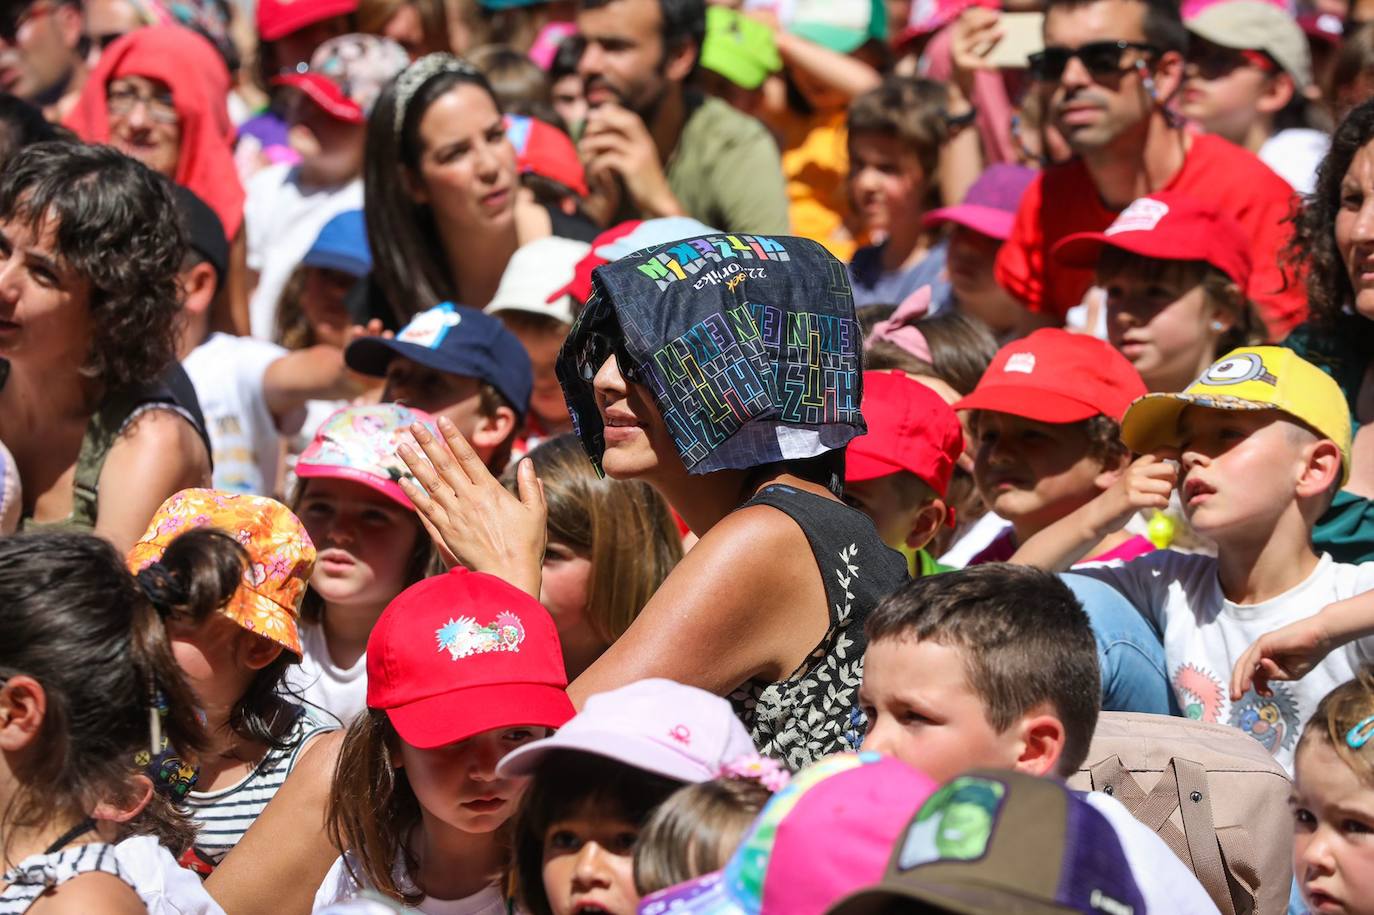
x=337 y=260
x=388 y=488
x=247 y=606
x=616 y=745
x=450 y=717
x=956 y=899
x=331 y=100
x=860 y=466
x=705 y=895
x=371 y=356
x=835 y=37
x=988 y=221
x=1029 y=403
x=1082 y=249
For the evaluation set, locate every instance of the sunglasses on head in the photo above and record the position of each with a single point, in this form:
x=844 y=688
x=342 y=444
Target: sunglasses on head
x=1099 y=58
x=600 y=346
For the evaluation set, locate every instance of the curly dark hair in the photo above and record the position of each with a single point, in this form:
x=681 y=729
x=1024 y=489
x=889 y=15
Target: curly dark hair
x=116 y=224
x=1313 y=248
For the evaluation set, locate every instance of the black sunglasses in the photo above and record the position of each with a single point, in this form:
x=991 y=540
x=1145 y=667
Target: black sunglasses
x=1099 y=58
x=597 y=348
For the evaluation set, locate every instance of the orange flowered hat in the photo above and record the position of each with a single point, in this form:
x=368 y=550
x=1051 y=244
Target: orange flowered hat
x=280 y=555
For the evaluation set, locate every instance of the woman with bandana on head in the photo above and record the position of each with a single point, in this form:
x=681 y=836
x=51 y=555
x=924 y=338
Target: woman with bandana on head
x=723 y=371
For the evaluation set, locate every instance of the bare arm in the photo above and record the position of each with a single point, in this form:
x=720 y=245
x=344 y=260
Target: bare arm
x=840 y=72
x=731 y=610
x=158 y=455
x=282 y=859
x=94 y=893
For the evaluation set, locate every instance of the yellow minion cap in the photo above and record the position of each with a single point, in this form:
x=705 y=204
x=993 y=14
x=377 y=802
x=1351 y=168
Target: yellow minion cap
x=1249 y=378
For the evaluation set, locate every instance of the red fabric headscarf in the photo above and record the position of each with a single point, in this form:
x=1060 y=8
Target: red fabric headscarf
x=199 y=81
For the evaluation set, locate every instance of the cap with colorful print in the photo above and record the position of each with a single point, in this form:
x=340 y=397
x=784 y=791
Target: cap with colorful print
x=461 y=653
x=359 y=444
x=829 y=832
x=280 y=555
x=1001 y=842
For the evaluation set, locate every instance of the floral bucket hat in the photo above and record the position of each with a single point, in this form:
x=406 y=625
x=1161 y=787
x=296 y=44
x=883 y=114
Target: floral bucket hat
x=280 y=555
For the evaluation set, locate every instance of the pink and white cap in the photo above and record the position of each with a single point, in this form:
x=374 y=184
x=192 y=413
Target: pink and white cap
x=657 y=725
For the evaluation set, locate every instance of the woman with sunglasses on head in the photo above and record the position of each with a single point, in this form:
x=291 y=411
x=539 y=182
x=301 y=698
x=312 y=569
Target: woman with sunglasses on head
x=723 y=371
x=1249 y=79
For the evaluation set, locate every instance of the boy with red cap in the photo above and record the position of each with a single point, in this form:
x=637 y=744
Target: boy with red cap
x=288 y=204
x=898 y=474
x=1047 y=431
x=1174 y=271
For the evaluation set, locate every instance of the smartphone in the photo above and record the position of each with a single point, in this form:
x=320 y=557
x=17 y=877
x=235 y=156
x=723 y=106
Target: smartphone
x=1022 y=36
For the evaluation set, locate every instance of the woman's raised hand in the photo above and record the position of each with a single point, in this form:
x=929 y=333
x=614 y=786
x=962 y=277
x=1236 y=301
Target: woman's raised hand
x=473 y=519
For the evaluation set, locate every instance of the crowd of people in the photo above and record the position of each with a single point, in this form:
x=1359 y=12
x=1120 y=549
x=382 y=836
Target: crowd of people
x=756 y=456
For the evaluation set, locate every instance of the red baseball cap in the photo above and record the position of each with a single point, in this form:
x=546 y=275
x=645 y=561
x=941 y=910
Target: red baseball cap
x=910 y=428
x=461 y=653
x=326 y=93
x=1054 y=376
x=279 y=18
x=544 y=150
x=1167 y=226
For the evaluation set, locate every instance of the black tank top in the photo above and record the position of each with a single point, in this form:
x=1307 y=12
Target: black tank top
x=815 y=712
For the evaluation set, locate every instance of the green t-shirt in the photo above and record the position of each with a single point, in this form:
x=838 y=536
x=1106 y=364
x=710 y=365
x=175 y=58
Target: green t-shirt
x=726 y=170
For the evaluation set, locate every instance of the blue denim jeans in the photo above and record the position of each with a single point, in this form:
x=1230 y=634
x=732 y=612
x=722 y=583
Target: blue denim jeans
x=1130 y=654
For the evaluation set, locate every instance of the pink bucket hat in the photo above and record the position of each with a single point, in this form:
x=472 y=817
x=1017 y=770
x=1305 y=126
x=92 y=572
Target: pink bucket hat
x=657 y=725
x=359 y=444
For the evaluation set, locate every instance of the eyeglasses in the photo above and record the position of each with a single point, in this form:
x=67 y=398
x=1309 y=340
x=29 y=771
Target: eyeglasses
x=597 y=348
x=123 y=100
x=1211 y=61
x=1099 y=58
x=15 y=16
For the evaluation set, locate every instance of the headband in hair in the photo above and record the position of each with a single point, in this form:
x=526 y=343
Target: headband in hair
x=422 y=71
x=900 y=331
x=161 y=588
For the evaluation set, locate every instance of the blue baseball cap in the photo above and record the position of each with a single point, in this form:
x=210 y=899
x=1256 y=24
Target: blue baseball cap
x=342 y=245
x=455 y=340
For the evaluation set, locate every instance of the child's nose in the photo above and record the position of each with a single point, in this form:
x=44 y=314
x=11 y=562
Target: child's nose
x=591 y=866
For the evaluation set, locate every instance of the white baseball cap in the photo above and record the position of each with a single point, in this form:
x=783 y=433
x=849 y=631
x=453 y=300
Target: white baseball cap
x=537 y=272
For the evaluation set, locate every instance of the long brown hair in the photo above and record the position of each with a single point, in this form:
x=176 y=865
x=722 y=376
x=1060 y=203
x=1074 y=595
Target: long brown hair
x=624 y=527
x=76 y=621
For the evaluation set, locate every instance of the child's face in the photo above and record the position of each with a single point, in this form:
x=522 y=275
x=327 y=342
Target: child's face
x=886 y=183
x=922 y=710
x=970 y=259
x=331 y=150
x=457 y=784
x=365 y=542
x=1239 y=468
x=457 y=397
x=219 y=659
x=1161 y=320
x=1223 y=91
x=589 y=864
x=542 y=343
x=563 y=590
x=1033 y=473
x=882 y=499
x=323 y=304
x=1333 y=832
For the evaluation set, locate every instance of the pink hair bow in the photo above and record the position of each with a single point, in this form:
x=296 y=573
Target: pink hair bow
x=900 y=330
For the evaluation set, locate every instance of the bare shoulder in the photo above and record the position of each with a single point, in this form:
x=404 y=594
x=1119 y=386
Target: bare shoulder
x=98 y=893
x=754 y=527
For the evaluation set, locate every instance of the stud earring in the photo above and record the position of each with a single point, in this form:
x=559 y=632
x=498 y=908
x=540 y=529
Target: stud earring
x=1218 y=326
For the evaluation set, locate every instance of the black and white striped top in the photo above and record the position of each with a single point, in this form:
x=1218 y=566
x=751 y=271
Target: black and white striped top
x=37 y=874
x=225 y=815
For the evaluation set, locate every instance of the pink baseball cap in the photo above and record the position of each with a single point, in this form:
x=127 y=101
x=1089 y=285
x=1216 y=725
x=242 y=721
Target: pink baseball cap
x=359 y=444
x=657 y=725
x=828 y=833
x=989 y=207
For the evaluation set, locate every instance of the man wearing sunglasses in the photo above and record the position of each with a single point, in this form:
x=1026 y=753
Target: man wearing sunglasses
x=41 y=59
x=1108 y=76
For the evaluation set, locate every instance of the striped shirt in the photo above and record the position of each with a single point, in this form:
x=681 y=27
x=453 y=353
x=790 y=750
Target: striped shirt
x=37 y=874
x=223 y=816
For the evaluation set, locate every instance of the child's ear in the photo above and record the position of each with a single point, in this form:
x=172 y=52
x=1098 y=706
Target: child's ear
x=23 y=706
x=926 y=523
x=1277 y=94
x=140 y=795
x=258 y=651
x=1112 y=469
x=1323 y=468
x=491 y=431
x=1042 y=742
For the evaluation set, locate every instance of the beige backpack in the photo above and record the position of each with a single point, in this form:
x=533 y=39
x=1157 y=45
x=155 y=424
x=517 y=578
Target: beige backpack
x=1212 y=793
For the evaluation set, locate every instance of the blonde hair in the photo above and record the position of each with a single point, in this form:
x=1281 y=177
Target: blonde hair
x=625 y=527
x=695 y=831
x=1346 y=708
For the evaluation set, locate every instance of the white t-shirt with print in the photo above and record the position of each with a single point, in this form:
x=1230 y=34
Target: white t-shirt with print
x=1205 y=634
x=227 y=373
x=339 y=886
x=281 y=221
x=340 y=691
